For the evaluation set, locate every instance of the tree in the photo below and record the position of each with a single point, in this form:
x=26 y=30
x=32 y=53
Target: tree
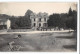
x=22 y=22
x=67 y=21
x=72 y=20
x=25 y=22
x=27 y=14
x=63 y=18
x=54 y=20
x=70 y=13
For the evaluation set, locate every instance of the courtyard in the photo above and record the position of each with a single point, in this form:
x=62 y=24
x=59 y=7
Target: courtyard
x=50 y=41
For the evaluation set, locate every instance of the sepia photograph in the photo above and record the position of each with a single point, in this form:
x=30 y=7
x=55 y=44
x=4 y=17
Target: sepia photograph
x=38 y=26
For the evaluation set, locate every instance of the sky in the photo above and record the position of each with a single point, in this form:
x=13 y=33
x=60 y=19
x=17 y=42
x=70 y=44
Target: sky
x=20 y=8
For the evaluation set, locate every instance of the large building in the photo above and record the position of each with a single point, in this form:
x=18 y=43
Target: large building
x=5 y=24
x=39 y=20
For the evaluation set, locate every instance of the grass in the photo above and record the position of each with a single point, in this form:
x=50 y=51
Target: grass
x=74 y=35
x=70 y=46
x=40 y=41
x=68 y=37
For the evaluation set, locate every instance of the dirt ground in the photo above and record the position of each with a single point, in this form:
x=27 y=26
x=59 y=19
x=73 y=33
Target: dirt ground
x=50 y=42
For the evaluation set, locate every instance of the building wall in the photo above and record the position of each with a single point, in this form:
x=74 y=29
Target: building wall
x=5 y=24
x=39 y=20
x=8 y=24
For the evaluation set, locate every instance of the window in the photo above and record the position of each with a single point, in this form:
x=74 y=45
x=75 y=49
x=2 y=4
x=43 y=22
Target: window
x=34 y=19
x=44 y=19
x=45 y=24
x=39 y=19
x=34 y=24
x=39 y=24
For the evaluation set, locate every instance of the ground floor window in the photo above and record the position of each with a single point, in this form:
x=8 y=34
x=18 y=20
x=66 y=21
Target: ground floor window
x=45 y=24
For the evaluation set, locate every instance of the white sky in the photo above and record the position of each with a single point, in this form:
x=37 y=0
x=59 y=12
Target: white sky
x=20 y=8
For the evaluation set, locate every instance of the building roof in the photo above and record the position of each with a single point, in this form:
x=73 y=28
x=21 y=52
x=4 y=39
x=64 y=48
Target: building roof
x=39 y=15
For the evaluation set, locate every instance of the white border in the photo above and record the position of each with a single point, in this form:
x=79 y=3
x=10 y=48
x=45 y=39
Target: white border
x=39 y=0
x=49 y=1
x=78 y=28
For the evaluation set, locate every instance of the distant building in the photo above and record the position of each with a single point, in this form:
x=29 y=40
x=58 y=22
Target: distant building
x=5 y=24
x=39 y=20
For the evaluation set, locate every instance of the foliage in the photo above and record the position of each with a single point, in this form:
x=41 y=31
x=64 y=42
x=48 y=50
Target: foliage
x=63 y=20
x=22 y=22
x=72 y=21
x=54 y=20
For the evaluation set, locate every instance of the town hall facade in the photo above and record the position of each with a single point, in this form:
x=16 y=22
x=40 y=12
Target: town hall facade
x=39 y=20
